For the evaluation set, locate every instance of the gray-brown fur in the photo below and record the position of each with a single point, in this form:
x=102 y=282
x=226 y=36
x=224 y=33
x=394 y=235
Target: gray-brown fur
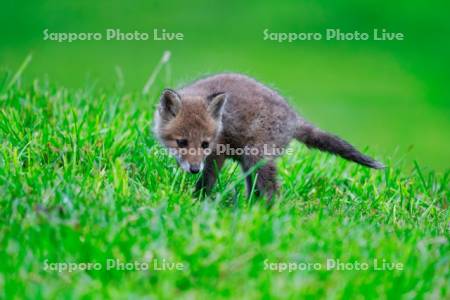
x=237 y=110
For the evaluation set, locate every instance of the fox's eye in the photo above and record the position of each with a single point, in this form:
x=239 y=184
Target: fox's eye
x=182 y=143
x=205 y=144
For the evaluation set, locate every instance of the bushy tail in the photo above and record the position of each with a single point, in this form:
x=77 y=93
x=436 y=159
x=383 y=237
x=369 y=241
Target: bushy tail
x=315 y=138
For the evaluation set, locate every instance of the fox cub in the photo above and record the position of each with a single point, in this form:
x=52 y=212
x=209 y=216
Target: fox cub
x=234 y=116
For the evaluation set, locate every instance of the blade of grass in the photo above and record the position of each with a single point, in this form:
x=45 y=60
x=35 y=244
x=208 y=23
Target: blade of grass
x=19 y=71
x=151 y=79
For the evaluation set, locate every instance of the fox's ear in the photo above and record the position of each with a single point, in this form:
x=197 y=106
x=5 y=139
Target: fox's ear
x=170 y=104
x=216 y=103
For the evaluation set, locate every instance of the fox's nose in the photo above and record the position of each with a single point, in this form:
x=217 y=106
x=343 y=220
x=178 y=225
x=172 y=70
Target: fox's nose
x=194 y=169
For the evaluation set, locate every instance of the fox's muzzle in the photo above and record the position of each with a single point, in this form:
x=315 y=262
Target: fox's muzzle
x=191 y=168
x=194 y=169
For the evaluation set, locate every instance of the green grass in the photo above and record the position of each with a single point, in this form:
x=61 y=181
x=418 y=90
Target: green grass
x=81 y=180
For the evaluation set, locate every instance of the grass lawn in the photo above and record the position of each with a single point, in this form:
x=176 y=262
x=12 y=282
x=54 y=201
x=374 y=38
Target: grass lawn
x=82 y=181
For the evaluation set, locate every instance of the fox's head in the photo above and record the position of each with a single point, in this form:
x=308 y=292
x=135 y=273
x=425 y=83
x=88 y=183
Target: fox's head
x=189 y=127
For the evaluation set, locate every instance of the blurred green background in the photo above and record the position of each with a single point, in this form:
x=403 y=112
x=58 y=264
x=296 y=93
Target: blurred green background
x=392 y=96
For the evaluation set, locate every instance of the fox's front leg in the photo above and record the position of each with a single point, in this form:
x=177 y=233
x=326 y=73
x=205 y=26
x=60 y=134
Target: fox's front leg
x=266 y=181
x=205 y=183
